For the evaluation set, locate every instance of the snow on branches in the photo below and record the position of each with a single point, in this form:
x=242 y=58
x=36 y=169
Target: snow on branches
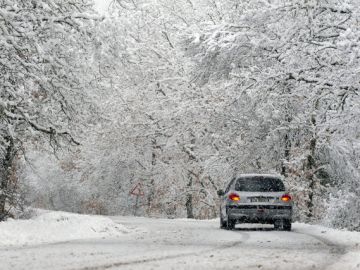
x=43 y=45
x=297 y=61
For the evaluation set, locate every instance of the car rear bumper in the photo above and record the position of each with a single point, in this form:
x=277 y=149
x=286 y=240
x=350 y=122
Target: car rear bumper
x=260 y=213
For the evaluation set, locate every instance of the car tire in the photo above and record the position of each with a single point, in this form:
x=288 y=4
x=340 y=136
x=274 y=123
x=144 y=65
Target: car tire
x=277 y=225
x=222 y=222
x=230 y=224
x=287 y=225
x=282 y=225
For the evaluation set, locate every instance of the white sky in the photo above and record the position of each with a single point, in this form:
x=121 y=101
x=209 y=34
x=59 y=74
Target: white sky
x=102 y=5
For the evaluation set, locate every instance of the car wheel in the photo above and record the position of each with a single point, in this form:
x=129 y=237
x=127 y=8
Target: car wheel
x=282 y=225
x=222 y=222
x=230 y=224
x=287 y=225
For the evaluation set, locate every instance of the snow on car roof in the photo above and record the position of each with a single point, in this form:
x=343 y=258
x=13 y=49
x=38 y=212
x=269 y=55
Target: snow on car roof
x=258 y=174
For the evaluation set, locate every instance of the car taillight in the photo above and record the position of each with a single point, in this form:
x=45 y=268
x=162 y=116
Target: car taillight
x=286 y=198
x=234 y=197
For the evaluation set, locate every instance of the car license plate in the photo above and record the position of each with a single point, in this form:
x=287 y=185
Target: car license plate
x=259 y=199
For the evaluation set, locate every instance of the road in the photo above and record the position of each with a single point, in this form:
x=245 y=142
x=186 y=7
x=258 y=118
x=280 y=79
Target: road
x=188 y=244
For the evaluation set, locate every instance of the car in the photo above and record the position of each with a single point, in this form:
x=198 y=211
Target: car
x=256 y=198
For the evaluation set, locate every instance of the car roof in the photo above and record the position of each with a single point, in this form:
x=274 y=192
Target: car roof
x=249 y=175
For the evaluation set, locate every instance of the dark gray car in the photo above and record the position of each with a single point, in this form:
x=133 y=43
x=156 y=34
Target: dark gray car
x=255 y=198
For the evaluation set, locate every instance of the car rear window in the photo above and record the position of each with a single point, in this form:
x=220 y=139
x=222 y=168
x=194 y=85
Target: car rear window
x=259 y=184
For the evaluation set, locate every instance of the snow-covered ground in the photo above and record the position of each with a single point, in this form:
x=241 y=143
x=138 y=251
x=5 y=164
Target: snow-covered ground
x=144 y=243
x=48 y=227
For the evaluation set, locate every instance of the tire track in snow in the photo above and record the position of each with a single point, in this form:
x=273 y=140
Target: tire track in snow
x=34 y=246
x=232 y=244
x=336 y=250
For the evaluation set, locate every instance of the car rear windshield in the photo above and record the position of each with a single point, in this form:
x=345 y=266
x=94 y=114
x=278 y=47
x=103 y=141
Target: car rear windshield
x=259 y=184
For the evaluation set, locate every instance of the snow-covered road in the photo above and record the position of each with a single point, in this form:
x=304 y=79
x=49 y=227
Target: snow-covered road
x=190 y=244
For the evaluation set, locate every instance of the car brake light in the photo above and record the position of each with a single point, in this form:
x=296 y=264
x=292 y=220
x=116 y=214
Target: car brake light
x=234 y=197
x=286 y=198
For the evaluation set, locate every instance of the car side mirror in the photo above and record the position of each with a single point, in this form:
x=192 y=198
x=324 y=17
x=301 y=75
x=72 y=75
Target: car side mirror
x=220 y=193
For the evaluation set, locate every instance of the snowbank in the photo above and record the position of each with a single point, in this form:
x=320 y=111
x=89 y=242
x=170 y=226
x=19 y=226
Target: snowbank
x=49 y=226
x=347 y=242
x=338 y=237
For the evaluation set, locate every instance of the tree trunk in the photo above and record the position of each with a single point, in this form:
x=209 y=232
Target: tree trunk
x=287 y=144
x=5 y=174
x=311 y=165
x=189 y=201
x=151 y=190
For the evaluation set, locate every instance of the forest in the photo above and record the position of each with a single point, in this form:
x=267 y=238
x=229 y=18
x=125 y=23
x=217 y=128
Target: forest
x=179 y=96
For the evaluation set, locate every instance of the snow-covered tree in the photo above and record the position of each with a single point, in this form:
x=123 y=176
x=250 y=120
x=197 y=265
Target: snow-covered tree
x=297 y=63
x=191 y=92
x=43 y=48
